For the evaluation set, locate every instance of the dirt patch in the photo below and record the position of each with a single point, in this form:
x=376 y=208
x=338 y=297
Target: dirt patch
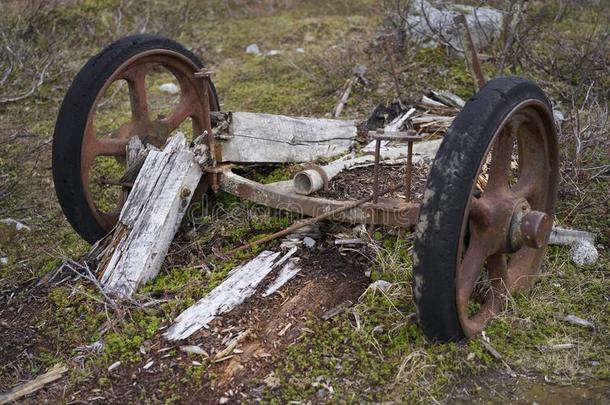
x=271 y=325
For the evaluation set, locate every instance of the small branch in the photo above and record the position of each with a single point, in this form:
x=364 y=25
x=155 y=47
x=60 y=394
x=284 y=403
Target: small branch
x=32 y=90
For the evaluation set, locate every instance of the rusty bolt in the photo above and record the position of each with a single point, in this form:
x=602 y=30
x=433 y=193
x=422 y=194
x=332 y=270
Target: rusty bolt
x=185 y=192
x=535 y=228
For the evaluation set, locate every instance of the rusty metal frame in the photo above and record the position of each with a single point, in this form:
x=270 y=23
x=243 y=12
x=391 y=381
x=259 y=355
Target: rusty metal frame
x=387 y=211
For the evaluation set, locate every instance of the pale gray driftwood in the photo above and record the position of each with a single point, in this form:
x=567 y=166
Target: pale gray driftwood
x=150 y=218
x=54 y=373
x=239 y=285
x=256 y=137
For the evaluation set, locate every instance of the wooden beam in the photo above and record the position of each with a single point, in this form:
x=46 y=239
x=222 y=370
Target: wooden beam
x=256 y=137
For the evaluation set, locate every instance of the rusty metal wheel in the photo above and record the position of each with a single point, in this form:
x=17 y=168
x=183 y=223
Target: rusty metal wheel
x=487 y=210
x=79 y=143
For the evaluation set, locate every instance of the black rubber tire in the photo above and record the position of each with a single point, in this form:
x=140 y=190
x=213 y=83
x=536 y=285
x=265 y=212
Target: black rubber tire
x=449 y=188
x=72 y=119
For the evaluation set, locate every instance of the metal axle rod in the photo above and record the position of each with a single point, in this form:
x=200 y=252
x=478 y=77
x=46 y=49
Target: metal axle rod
x=299 y=225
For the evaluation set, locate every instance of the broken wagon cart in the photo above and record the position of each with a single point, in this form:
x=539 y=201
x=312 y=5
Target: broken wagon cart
x=505 y=134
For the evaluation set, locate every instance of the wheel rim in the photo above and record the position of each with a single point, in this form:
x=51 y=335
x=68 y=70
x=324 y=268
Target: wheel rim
x=154 y=131
x=508 y=223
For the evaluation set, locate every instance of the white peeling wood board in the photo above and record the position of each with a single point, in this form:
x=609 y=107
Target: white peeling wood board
x=239 y=285
x=260 y=138
x=288 y=271
x=150 y=218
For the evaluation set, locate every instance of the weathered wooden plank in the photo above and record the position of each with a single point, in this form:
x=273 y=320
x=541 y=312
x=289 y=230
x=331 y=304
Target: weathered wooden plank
x=257 y=137
x=240 y=284
x=54 y=373
x=150 y=218
x=288 y=271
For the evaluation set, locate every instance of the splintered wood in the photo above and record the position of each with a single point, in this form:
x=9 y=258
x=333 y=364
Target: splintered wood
x=150 y=218
x=258 y=138
x=240 y=285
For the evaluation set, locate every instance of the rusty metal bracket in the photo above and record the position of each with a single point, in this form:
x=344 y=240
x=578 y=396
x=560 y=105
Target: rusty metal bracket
x=387 y=211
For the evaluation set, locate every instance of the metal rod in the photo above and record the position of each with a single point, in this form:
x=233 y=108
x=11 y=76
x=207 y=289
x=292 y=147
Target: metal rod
x=409 y=171
x=313 y=220
x=376 y=170
x=476 y=64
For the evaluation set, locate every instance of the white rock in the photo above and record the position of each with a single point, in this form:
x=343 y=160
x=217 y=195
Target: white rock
x=426 y=21
x=300 y=50
x=169 y=88
x=380 y=285
x=583 y=253
x=4 y=261
x=309 y=242
x=252 y=49
x=114 y=365
x=558 y=116
x=273 y=52
x=148 y=365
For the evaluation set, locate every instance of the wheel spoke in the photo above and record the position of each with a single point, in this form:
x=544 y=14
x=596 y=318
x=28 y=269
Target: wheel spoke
x=468 y=273
x=501 y=156
x=526 y=187
x=182 y=111
x=109 y=147
x=138 y=94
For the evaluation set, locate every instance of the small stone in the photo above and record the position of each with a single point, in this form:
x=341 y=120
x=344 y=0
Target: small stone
x=300 y=50
x=583 y=253
x=114 y=365
x=148 y=365
x=470 y=356
x=4 y=261
x=169 y=88
x=252 y=49
x=223 y=400
x=380 y=285
x=309 y=243
x=273 y=52
x=558 y=116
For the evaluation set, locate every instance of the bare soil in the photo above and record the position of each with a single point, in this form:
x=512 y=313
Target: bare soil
x=273 y=324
